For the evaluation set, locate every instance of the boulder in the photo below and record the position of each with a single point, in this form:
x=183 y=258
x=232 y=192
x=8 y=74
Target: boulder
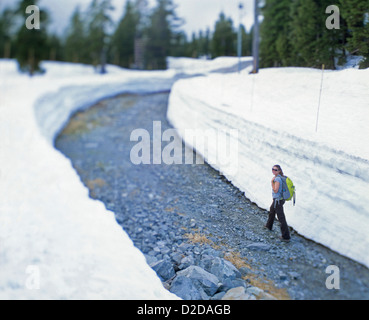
x=201 y=279
x=224 y=270
x=184 y=288
x=238 y=293
x=164 y=269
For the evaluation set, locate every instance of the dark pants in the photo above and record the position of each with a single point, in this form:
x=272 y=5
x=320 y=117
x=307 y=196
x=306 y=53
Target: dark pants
x=277 y=208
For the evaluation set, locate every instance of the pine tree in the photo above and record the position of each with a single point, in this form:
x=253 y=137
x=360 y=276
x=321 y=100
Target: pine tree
x=6 y=26
x=275 y=48
x=31 y=44
x=199 y=46
x=356 y=14
x=56 y=49
x=246 y=42
x=141 y=8
x=193 y=47
x=98 y=26
x=313 y=43
x=164 y=24
x=204 y=44
x=224 y=38
x=123 y=40
x=330 y=42
x=179 y=45
x=76 y=42
x=307 y=27
x=294 y=33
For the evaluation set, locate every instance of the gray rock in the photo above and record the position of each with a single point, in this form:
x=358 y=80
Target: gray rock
x=150 y=259
x=254 y=291
x=238 y=294
x=184 y=288
x=282 y=275
x=224 y=270
x=259 y=293
x=218 y=296
x=244 y=271
x=294 y=275
x=258 y=246
x=211 y=252
x=164 y=269
x=206 y=261
x=186 y=262
x=228 y=284
x=201 y=278
x=177 y=257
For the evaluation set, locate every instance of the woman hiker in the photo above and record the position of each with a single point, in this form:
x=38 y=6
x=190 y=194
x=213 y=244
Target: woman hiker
x=277 y=205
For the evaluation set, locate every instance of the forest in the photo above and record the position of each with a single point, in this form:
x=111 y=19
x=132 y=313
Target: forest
x=292 y=33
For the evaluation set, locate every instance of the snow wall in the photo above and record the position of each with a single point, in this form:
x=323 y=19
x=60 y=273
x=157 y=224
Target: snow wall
x=275 y=115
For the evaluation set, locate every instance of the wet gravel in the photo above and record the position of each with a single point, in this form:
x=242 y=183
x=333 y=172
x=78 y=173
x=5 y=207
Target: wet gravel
x=179 y=212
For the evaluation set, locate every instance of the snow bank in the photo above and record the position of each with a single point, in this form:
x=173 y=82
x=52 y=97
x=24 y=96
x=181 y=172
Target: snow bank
x=56 y=242
x=275 y=114
x=190 y=66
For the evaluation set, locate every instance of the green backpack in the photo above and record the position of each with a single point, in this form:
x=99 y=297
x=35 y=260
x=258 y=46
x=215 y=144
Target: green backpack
x=288 y=189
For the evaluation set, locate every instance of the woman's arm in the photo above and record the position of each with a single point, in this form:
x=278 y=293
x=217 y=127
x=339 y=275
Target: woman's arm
x=275 y=185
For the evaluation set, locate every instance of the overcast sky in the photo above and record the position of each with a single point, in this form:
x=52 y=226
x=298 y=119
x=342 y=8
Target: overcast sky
x=198 y=14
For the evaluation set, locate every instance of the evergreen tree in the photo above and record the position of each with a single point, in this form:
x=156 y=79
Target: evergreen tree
x=31 y=44
x=294 y=33
x=304 y=24
x=98 y=27
x=246 y=42
x=123 y=40
x=224 y=38
x=204 y=44
x=199 y=45
x=56 y=49
x=76 y=49
x=313 y=44
x=6 y=26
x=193 y=47
x=356 y=14
x=275 y=49
x=164 y=24
x=179 y=46
x=330 y=42
x=141 y=8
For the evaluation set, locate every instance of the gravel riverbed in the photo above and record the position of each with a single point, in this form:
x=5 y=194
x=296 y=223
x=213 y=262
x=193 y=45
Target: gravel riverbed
x=198 y=232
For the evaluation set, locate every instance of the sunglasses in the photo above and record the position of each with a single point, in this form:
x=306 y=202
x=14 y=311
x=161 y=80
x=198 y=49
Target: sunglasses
x=275 y=169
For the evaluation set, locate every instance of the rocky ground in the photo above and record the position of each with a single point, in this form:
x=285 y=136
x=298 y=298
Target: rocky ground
x=199 y=233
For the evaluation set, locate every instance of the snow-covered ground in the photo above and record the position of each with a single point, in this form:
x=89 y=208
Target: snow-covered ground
x=275 y=113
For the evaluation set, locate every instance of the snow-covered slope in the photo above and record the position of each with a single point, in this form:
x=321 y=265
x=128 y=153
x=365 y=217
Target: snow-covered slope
x=275 y=114
x=56 y=242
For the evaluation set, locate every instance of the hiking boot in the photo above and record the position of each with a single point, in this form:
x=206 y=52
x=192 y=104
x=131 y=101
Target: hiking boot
x=284 y=240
